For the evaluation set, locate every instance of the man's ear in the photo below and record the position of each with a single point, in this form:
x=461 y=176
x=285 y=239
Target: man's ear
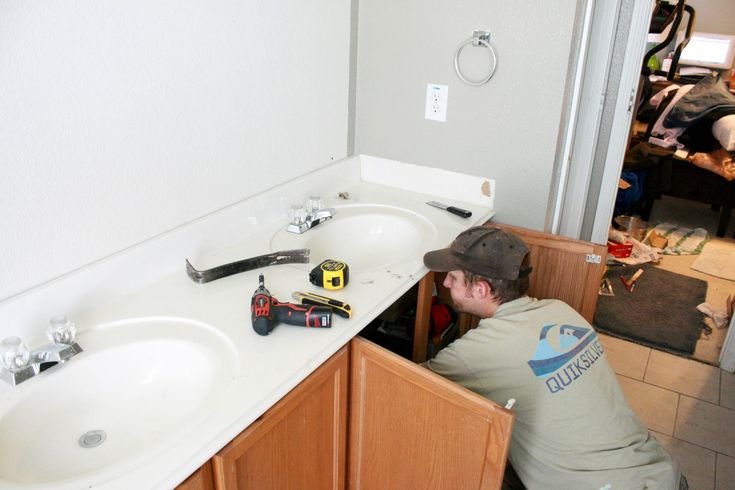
x=483 y=290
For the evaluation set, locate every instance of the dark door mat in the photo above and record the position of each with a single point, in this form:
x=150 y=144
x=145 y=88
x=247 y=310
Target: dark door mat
x=661 y=312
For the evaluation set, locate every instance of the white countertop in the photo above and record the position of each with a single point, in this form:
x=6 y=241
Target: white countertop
x=149 y=281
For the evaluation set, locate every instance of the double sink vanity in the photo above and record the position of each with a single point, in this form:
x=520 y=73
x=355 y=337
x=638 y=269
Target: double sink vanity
x=171 y=372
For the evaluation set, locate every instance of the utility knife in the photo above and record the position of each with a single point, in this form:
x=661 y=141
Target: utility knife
x=452 y=209
x=338 y=307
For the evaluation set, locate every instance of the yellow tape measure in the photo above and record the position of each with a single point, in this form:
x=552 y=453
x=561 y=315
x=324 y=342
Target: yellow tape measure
x=330 y=274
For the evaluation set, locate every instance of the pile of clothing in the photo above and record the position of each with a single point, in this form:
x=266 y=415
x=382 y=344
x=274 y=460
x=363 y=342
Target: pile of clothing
x=689 y=124
x=700 y=119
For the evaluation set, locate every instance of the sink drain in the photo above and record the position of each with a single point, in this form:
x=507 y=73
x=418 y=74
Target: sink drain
x=92 y=438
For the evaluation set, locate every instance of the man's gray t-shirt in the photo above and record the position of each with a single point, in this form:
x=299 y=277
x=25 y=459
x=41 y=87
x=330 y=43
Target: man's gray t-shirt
x=573 y=428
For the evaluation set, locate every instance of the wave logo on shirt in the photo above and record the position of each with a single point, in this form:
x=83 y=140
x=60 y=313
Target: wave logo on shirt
x=564 y=353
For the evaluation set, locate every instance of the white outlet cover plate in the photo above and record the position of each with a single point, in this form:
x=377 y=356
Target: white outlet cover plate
x=436 y=102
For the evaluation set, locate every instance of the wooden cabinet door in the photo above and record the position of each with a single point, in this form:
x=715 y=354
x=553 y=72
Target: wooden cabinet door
x=300 y=443
x=411 y=428
x=561 y=269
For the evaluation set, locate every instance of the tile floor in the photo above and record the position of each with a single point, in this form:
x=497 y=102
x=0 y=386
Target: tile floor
x=691 y=214
x=689 y=406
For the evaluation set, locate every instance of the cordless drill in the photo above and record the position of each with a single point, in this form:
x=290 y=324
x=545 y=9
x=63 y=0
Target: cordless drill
x=267 y=312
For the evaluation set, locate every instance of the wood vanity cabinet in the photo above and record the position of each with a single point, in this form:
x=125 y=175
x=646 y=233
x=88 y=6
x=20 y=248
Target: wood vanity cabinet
x=408 y=428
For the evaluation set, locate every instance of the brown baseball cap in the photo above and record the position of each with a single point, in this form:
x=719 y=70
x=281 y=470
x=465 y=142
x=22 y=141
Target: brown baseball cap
x=490 y=252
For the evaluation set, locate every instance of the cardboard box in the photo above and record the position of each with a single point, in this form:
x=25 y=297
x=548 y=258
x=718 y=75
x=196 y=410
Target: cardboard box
x=619 y=250
x=657 y=241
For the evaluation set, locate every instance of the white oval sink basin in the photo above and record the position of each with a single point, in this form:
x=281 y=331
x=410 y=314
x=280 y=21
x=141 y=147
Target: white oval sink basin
x=144 y=383
x=363 y=236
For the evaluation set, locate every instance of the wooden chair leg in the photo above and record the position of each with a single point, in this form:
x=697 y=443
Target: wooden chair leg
x=724 y=221
x=647 y=207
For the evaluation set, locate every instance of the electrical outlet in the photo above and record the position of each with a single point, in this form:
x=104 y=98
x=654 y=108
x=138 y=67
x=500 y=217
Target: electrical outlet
x=436 y=102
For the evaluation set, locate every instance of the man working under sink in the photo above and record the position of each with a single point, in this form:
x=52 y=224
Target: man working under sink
x=573 y=428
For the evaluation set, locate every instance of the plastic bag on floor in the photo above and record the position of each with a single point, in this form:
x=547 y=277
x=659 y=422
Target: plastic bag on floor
x=682 y=241
x=718 y=315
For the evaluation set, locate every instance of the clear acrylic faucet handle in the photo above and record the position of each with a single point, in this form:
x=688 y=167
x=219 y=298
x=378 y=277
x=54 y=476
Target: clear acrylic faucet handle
x=61 y=330
x=297 y=214
x=313 y=204
x=15 y=354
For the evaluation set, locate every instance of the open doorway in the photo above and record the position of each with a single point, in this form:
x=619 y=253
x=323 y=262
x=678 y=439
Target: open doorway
x=685 y=49
x=687 y=195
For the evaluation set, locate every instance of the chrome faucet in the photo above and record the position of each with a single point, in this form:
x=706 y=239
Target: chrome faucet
x=306 y=217
x=20 y=364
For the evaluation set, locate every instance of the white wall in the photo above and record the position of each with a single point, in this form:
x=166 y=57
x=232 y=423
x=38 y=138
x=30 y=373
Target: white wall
x=717 y=16
x=714 y=16
x=120 y=120
x=506 y=130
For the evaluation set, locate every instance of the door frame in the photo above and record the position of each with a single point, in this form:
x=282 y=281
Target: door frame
x=587 y=190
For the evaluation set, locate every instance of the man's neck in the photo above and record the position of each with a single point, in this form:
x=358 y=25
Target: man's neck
x=488 y=309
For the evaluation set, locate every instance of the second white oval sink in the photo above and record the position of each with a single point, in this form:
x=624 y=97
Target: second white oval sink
x=363 y=236
x=139 y=385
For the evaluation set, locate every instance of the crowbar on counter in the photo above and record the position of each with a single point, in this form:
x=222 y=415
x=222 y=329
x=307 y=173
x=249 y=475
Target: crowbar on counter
x=296 y=256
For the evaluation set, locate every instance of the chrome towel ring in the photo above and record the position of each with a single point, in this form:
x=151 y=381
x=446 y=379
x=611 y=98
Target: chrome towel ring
x=482 y=39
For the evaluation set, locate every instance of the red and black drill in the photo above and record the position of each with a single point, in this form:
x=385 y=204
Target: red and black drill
x=267 y=312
